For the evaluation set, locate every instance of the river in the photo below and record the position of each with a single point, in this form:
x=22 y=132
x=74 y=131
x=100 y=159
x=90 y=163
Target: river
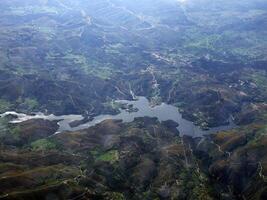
x=163 y=112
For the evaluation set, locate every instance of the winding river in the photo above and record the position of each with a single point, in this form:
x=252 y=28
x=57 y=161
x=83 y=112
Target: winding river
x=163 y=112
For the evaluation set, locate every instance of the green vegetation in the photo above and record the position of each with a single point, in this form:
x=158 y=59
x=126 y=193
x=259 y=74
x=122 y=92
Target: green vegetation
x=15 y=131
x=3 y=127
x=43 y=144
x=111 y=156
x=195 y=185
x=74 y=57
x=30 y=104
x=4 y=105
x=90 y=67
x=260 y=78
x=115 y=196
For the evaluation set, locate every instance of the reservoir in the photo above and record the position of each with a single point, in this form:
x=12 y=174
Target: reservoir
x=142 y=107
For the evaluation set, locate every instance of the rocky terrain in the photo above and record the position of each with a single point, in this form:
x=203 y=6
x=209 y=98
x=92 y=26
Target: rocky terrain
x=113 y=160
x=143 y=159
x=75 y=57
x=208 y=58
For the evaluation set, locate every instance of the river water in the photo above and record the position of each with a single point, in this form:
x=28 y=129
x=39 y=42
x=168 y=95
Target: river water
x=163 y=112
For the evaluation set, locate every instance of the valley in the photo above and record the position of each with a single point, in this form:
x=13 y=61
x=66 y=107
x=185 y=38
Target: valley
x=129 y=100
x=129 y=111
